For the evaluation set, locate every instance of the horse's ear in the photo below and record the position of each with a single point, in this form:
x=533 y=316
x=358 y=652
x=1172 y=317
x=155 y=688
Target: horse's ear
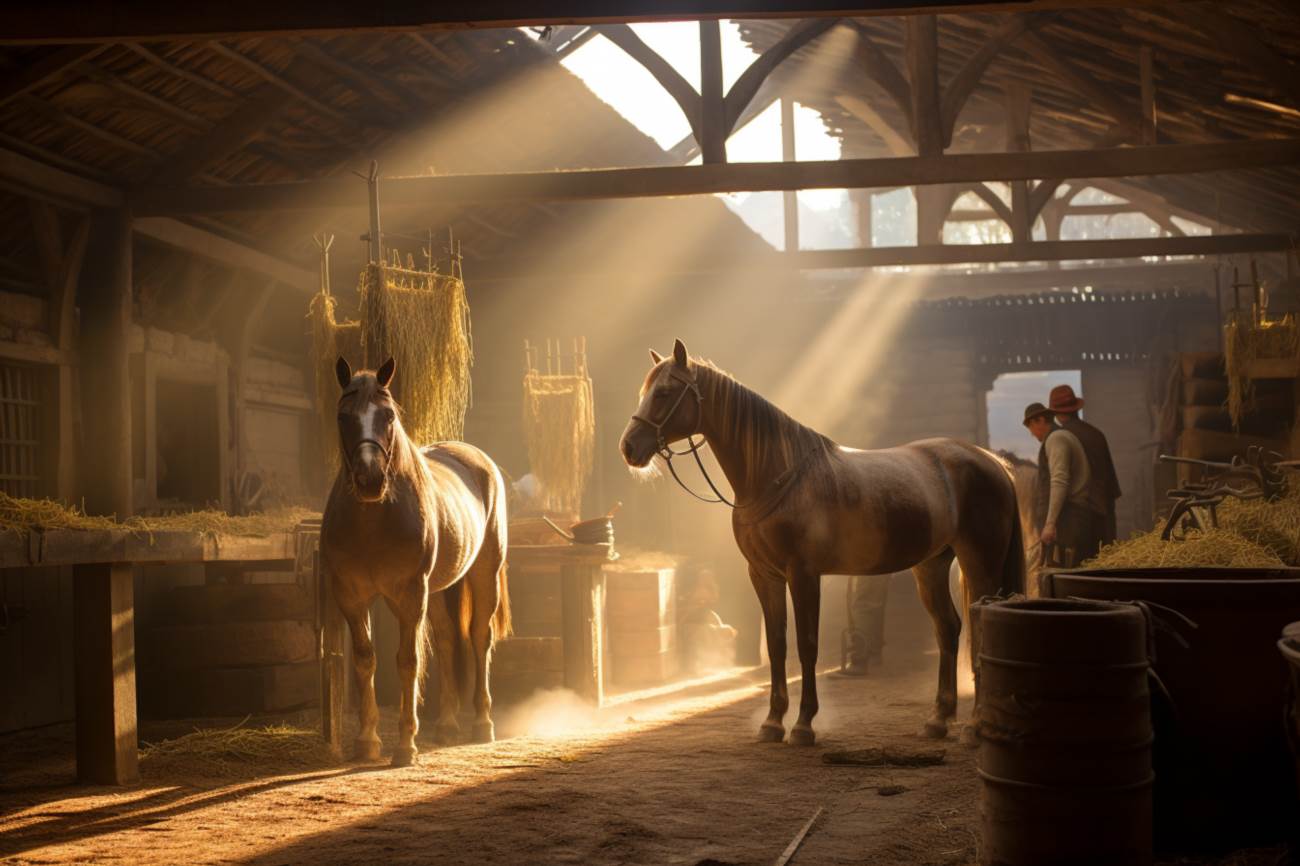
x=343 y=371
x=655 y=357
x=679 y=354
x=384 y=374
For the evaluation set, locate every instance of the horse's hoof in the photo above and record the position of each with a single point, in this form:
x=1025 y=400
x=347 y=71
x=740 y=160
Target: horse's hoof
x=484 y=732
x=970 y=735
x=771 y=732
x=447 y=734
x=403 y=756
x=366 y=750
x=802 y=735
x=935 y=729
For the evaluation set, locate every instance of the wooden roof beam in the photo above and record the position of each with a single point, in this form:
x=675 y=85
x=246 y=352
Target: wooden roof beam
x=686 y=97
x=1242 y=43
x=32 y=75
x=34 y=179
x=160 y=62
x=211 y=246
x=963 y=84
x=738 y=177
x=231 y=134
x=101 y=21
x=744 y=89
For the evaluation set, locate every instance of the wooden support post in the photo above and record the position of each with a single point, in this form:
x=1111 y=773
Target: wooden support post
x=333 y=661
x=376 y=248
x=923 y=70
x=105 y=376
x=713 y=112
x=1146 y=78
x=1017 y=107
x=582 y=614
x=932 y=206
x=789 y=198
x=104 y=636
x=863 y=203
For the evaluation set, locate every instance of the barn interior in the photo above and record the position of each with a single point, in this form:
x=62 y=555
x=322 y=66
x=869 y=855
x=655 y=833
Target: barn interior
x=894 y=221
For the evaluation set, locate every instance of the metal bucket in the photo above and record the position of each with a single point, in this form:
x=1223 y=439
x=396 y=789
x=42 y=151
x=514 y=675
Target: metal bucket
x=1065 y=733
x=1223 y=772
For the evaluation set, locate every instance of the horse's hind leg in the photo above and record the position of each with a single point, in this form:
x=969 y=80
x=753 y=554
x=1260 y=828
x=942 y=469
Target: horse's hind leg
x=410 y=613
x=771 y=595
x=446 y=635
x=357 y=612
x=932 y=585
x=805 y=591
x=484 y=596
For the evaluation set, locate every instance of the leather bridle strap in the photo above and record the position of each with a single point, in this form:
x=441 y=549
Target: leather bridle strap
x=664 y=449
x=375 y=442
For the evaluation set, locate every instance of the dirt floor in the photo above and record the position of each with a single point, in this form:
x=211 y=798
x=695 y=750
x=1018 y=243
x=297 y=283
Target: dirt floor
x=656 y=781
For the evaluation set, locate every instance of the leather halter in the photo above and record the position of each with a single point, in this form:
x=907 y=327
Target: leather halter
x=388 y=461
x=665 y=450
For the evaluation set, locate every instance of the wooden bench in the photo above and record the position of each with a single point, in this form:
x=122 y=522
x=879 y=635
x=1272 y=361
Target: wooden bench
x=104 y=621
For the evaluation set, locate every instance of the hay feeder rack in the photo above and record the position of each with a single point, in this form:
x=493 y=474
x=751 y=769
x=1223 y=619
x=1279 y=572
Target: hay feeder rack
x=1195 y=505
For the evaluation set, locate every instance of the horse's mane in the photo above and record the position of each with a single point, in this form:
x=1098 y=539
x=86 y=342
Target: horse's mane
x=766 y=435
x=405 y=460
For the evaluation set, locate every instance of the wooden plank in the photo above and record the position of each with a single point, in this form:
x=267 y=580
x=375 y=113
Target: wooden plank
x=104 y=629
x=209 y=245
x=922 y=52
x=582 y=602
x=32 y=178
x=95 y=21
x=735 y=177
x=31 y=75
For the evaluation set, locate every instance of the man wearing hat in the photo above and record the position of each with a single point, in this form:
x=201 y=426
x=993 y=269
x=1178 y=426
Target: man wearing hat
x=1104 y=488
x=1067 y=523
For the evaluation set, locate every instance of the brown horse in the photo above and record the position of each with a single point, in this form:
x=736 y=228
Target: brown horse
x=426 y=529
x=806 y=506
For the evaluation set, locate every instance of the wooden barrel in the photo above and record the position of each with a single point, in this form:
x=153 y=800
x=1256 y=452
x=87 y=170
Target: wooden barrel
x=1065 y=733
x=1223 y=770
x=1290 y=648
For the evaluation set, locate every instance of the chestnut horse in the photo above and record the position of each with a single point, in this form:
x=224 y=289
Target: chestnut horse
x=806 y=506
x=426 y=529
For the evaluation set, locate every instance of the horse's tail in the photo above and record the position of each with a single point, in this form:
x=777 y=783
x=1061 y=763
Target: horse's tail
x=501 y=620
x=460 y=605
x=1013 y=566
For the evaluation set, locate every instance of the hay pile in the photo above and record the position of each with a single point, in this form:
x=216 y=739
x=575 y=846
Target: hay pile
x=1251 y=534
x=1244 y=341
x=330 y=339
x=22 y=515
x=421 y=319
x=560 y=427
x=238 y=751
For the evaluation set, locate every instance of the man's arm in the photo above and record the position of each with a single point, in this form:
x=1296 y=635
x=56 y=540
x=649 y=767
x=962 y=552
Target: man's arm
x=1058 y=465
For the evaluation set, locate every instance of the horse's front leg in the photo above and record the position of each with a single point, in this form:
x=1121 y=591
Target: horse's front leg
x=410 y=612
x=356 y=610
x=771 y=596
x=806 y=593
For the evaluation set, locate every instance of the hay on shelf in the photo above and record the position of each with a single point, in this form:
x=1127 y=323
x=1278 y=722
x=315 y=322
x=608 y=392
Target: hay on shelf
x=22 y=515
x=421 y=319
x=1245 y=341
x=238 y=751
x=560 y=427
x=1213 y=548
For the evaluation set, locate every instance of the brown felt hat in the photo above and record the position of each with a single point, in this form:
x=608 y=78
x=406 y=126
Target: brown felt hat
x=1036 y=410
x=1062 y=399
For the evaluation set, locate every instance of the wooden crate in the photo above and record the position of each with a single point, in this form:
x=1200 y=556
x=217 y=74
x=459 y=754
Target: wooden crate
x=523 y=665
x=641 y=617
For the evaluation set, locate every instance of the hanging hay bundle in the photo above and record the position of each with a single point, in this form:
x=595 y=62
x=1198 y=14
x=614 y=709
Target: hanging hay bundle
x=1245 y=341
x=560 y=426
x=330 y=338
x=421 y=320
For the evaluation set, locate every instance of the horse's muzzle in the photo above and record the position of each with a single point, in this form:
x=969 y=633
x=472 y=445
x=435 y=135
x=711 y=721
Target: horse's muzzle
x=369 y=480
x=637 y=444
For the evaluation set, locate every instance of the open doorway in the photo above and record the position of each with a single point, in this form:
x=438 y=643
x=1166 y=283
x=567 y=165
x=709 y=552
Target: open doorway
x=1007 y=399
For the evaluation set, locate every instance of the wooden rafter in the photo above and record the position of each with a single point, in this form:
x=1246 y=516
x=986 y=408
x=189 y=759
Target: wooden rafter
x=668 y=77
x=1242 y=43
x=32 y=75
x=922 y=52
x=361 y=81
x=233 y=133
x=144 y=98
x=1081 y=82
x=160 y=62
x=281 y=81
x=212 y=247
x=744 y=89
x=739 y=177
x=963 y=84
x=895 y=142
x=878 y=66
x=57 y=115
